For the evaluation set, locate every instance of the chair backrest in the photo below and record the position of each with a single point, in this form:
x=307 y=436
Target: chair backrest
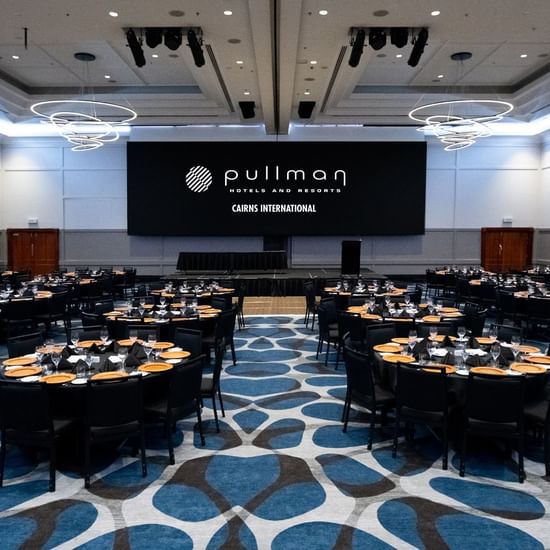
x=15 y=412
x=350 y=323
x=359 y=373
x=91 y=332
x=378 y=334
x=329 y=303
x=90 y=319
x=19 y=309
x=421 y=389
x=59 y=302
x=103 y=306
x=225 y=326
x=21 y=345
x=219 y=302
x=114 y=402
x=474 y=318
x=538 y=308
x=184 y=387
x=143 y=331
x=505 y=332
x=492 y=398
x=189 y=340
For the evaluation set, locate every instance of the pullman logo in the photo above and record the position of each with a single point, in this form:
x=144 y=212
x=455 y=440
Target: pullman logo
x=198 y=179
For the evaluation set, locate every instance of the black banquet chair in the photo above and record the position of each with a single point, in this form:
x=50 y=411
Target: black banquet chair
x=182 y=400
x=362 y=390
x=210 y=385
x=114 y=411
x=494 y=408
x=35 y=426
x=24 y=344
x=537 y=415
x=422 y=396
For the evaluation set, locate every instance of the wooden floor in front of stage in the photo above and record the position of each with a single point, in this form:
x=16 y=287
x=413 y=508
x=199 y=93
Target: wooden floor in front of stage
x=270 y=305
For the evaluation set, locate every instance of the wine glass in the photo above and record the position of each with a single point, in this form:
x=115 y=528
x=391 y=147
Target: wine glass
x=493 y=333
x=74 y=340
x=433 y=333
x=515 y=341
x=148 y=348
x=133 y=334
x=122 y=355
x=412 y=339
x=495 y=352
x=104 y=335
x=162 y=301
x=56 y=358
x=39 y=352
x=407 y=299
x=461 y=332
x=89 y=359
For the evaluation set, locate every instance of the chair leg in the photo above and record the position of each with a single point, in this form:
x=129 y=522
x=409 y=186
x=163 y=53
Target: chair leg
x=395 y=431
x=371 y=428
x=142 y=450
x=445 y=447
x=52 y=467
x=221 y=401
x=87 y=463
x=199 y=422
x=521 y=470
x=234 y=357
x=346 y=399
x=462 y=468
x=215 y=412
x=2 y=458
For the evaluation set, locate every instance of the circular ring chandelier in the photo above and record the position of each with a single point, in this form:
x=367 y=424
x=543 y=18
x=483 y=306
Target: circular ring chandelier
x=456 y=129
x=85 y=123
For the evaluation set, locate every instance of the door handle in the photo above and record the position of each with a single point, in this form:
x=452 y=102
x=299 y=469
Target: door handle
x=32 y=249
x=500 y=249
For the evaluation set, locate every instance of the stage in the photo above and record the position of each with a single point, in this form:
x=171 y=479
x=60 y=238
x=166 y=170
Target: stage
x=276 y=282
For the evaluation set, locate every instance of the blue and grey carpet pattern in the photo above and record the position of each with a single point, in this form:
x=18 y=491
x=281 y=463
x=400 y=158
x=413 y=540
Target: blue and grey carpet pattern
x=281 y=474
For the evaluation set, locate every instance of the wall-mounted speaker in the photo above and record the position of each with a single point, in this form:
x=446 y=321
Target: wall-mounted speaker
x=305 y=108
x=247 y=109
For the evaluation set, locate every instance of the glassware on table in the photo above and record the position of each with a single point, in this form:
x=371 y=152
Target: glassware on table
x=459 y=357
x=148 y=348
x=433 y=333
x=495 y=352
x=132 y=335
x=461 y=332
x=151 y=340
x=493 y=333
x=407 y=299
x=74 y=340
x=432 y=347
x=89 y=359
x=122 y=355
x=162 y=301
x=104 y=335
x=80 y=370
x=515 y=341
x=412 y=340
x=56 y=358
x=39 y=352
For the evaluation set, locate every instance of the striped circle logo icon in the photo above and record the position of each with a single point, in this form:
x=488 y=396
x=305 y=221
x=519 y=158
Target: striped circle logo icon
x=198 y=179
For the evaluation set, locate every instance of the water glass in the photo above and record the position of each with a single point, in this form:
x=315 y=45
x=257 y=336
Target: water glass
x=493 y=333
x=495 y=353
x=89 y=359
x=122 y=355
x=461 y=332
x=104 y=335
x=56 y=358
x=433 y=333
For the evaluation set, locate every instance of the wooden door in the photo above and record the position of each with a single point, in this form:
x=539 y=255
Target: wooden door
x=36 y=250
x=506 y=249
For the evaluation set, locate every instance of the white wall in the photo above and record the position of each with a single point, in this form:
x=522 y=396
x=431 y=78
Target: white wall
x=86 y=192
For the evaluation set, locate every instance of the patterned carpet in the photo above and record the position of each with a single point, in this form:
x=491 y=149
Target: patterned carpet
x=281 y=474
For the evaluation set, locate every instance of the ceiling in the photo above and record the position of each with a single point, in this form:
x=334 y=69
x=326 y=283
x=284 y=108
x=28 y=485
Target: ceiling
x=288 y=54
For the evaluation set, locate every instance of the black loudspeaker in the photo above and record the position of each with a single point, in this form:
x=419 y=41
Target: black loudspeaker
x=305 y=108
x=247 y=109
x=351 y=258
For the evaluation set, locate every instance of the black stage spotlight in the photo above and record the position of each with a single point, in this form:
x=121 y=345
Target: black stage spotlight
x=377 y=38
x=357 y=48
x=135 y=47
x=172 y=38
x=418 y=48
x=399 y=36
x=153 y=36
x=196 y=50
x=247 y=109
x=305 y=108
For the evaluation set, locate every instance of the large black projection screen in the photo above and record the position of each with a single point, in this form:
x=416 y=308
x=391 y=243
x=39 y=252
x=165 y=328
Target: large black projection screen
x=267 y=188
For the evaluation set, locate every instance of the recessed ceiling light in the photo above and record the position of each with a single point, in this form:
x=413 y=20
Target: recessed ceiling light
x=435 y=13
x=398 y=55
x=176 y=13
x=440 y=75
x=239 y=62
x=323 y=12
x=523 y=55
x=313 y=62
x=246 y=92
x=307 y=92
x=113 y=13
x=155 y=55
x=380 y=13
x=107 y=76
x=227 y=12
x=15 y=57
